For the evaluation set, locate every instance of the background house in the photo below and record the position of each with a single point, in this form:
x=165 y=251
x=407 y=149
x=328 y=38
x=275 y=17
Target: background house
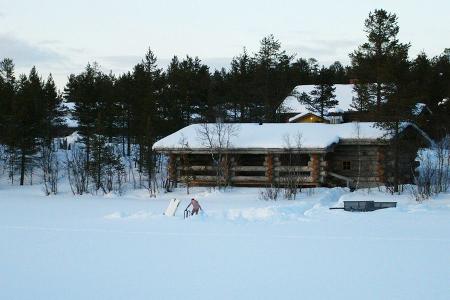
x=292 y=110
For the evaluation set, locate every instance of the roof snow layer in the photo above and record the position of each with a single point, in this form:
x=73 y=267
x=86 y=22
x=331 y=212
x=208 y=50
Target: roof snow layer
x=273 y=135
x=344 y=94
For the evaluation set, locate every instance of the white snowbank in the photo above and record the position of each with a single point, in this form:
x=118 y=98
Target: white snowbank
x=97 y=247
x=273 y=135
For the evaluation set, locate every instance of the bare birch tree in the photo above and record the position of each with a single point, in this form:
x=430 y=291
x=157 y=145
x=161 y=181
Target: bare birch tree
x=49 y=164
x=77 y=170
x=293 y=178
x=186 y=176
x=217 y=139
x=433 y=176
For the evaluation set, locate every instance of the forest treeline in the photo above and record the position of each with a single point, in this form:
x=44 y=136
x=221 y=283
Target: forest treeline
x=136 y=108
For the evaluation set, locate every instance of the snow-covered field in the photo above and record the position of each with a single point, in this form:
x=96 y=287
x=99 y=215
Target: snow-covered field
x=111 y=247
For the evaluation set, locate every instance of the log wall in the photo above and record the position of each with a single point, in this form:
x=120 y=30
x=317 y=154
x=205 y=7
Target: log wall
x=249 y=169
x=361 y=165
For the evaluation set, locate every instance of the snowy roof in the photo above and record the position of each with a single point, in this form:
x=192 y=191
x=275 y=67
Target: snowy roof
x=298 y=116
x=344 y=94
x=273 y=135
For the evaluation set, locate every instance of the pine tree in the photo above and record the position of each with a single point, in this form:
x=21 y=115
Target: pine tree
x=301 y=72
x=338 y=73
x=124 y=93
x=375 y=61
x=23 y=124
x=148 y=81
x=92 y=91
x=7 y=93
x=54 y=111
x=322 y=98
x=241 y=86
x=271 y=62
x=364 y=100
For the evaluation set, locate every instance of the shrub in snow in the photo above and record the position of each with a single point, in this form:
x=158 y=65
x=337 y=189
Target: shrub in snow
x=293 y=178
x=269 y=193
x=49 y=164
x=77 y=171
x=105 y=166
x=433 y=176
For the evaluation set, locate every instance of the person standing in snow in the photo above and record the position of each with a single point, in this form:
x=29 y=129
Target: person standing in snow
x=195 y=207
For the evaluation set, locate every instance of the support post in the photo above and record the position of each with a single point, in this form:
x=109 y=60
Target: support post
x=380 y=165
x=172 y=168
x=315 y=168
x=269 y=167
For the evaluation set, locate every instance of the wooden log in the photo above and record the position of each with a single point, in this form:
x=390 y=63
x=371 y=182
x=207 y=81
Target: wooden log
x=269 y=168
x=250 y=178
x=205 y=178
x=314 y=164
x=201 y=168
x=249 y=168
x=172 y=169
x=380 y=167
x=286 y=179
x=293 y=169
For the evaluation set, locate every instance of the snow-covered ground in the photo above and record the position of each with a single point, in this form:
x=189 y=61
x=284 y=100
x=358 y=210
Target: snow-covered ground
x=111 y=247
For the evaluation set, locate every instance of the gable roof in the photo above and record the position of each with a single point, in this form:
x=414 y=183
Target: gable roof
x=344 y=94
x=273 y=135
x=302 y=115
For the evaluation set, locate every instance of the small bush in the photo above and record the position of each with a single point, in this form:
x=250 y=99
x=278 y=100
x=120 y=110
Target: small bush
x=269 y=193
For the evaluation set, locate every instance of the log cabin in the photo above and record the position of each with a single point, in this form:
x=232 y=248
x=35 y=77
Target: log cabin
x=320 y=154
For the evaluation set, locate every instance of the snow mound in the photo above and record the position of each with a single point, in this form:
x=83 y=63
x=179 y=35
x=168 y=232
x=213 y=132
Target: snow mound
x=125 y=216
x=251 y=214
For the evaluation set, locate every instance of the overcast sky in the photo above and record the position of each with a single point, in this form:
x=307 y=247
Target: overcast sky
x=62 y=36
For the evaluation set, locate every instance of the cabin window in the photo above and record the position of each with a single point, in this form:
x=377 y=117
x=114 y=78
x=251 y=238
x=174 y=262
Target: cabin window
x=346 y=165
